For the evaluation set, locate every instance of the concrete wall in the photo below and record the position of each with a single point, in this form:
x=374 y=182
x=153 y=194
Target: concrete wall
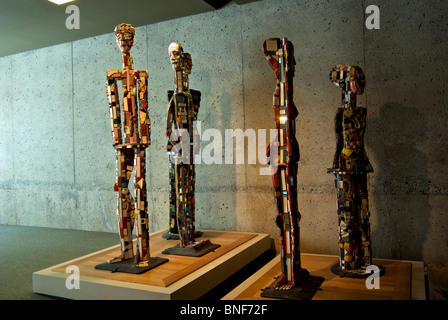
x=57 y=163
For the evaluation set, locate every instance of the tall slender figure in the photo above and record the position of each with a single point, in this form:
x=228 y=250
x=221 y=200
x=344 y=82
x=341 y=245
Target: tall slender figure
x=131 y=136
x=180 y=117
x=350 y=168
x=182 y=145
x=284 y=156
x=181 y=60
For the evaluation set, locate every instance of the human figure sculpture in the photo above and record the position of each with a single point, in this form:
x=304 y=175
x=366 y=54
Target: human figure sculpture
x=350 y=167
x=181 y=115
x=182 y=60
x=280 y=55
x=131 y=136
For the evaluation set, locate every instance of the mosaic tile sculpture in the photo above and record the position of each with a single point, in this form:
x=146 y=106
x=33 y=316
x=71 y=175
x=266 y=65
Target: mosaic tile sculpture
x=350 y=167
x=131 y=136
x=182 y=86
x=280 y=56
x=181 y=114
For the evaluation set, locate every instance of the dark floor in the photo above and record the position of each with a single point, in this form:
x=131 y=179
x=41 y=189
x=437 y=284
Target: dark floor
x=24 y=250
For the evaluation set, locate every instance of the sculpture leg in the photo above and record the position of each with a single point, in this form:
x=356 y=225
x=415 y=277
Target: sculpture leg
x=363 y=220
x=191 y=204
x=347 y=221
x=288 y=230
x=172 y=185
x=183 y=209
x=141 y=205
x=294 y=221
x=125 y=203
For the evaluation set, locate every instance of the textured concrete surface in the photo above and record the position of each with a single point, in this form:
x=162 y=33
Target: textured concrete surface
x=57 y=163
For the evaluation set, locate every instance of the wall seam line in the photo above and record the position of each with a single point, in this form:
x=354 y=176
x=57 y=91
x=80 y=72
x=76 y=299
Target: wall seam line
x=73 y=115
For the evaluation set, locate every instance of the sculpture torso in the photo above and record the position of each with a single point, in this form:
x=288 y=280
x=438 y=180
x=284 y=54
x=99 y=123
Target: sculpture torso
x=130 y=124
x=351 y=125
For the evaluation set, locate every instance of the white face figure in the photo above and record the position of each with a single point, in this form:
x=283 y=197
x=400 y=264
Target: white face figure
x=175 y=51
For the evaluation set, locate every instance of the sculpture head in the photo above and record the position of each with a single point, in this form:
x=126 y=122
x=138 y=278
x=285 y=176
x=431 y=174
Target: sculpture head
x=176 y=53
x=271 y=49
x=188 y=64
x=348 y=78
x=124 y=34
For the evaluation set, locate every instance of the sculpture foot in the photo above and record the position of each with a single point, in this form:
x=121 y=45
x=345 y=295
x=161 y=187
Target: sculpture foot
x=282 y=283
x=122 y=257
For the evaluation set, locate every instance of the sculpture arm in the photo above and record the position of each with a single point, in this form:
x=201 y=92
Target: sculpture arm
x=114 y=104
x=145 y=123
x=170 y=117
x=196 y=95
x=338 y=128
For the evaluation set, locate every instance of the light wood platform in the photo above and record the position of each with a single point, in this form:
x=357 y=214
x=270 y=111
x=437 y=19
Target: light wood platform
x=403 y=280
x=180 y=278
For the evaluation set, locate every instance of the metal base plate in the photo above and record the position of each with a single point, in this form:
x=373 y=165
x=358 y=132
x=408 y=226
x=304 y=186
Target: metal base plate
x=128 y=266
x=197 y=250
x=336 y=269
x=175 y=236
x=303 y=291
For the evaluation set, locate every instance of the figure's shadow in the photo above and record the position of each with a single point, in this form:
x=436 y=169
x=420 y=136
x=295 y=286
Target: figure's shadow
x=399 y=185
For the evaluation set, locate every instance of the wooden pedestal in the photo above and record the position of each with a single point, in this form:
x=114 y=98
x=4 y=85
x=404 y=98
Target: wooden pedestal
x=179 y=278
x=402 y=280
